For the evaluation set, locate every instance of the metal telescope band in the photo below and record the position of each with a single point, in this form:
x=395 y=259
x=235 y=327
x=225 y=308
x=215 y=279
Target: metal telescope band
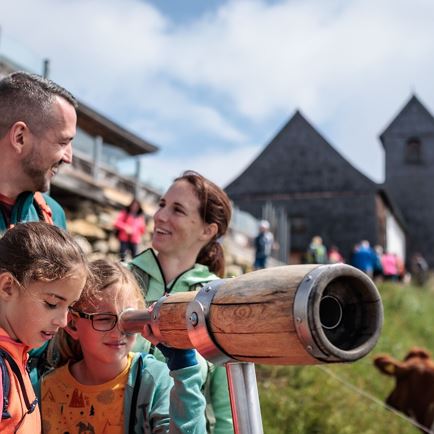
x=301 y=311
x=243 y=389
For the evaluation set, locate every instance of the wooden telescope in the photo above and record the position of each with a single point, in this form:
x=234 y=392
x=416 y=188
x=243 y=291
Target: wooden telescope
x=290 y=315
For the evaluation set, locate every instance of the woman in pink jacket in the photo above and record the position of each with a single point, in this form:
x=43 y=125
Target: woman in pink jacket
x=130 y=226
x=390 y=266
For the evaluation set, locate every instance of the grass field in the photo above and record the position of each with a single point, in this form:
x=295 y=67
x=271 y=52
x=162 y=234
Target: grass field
x=311 y=400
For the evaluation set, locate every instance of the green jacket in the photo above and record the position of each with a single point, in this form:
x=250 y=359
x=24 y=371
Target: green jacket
x=154 y=411
x=154 y=286
x=25 y=210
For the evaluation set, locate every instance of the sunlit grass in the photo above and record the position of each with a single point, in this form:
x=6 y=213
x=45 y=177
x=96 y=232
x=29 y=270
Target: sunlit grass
x=308 y=400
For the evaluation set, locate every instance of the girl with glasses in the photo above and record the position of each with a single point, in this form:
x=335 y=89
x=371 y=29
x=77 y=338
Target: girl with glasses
x=101 y=386
x=42 y=273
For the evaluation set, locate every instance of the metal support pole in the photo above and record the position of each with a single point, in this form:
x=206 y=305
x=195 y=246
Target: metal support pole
x=243 y=392
x=97 y=157
x=137 y=177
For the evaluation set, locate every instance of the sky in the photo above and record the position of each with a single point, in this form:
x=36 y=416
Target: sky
x=212 y=82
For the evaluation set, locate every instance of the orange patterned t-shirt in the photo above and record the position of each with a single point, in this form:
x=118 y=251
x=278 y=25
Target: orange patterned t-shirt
x=69 y=406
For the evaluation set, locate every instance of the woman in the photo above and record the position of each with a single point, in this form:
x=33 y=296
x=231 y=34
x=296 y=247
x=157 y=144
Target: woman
x=193 y=214
x=130 y=227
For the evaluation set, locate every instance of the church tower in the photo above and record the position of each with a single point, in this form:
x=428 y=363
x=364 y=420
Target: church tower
x=409 y=178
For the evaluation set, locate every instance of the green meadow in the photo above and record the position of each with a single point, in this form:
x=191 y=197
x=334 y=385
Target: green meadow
x=347 y=398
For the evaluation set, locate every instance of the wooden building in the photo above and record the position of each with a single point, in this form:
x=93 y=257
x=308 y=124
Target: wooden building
x=319 y=192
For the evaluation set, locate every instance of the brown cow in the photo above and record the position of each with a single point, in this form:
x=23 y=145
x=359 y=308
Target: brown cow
x=413 y=394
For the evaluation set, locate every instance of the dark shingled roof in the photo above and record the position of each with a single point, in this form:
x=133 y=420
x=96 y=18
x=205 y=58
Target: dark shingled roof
x=299 y=160
x=413 y=113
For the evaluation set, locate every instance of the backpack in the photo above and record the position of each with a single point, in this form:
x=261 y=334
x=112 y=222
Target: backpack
x=44 y=211
x=6 y=385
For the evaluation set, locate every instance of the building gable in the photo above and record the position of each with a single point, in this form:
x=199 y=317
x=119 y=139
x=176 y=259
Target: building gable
x=413 y=117
x=299 y=160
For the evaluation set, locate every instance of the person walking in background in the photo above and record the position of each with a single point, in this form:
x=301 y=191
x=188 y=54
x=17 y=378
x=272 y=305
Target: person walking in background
x=364 y=258
x=193 y=214
x=419 y=269
x=42 y=273
x=335 y=256
x=378 y=267
x=390 y=266
x=403 y=276
x=100 y=386
x=130 y=227
x=317 y=252
x=263 y=245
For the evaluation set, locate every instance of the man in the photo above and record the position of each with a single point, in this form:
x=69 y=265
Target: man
x=263 y=245
x=317 y=252
x=37 y=126
x=364 y=258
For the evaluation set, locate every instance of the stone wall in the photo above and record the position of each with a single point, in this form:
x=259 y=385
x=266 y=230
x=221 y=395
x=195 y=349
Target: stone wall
x=92 y=226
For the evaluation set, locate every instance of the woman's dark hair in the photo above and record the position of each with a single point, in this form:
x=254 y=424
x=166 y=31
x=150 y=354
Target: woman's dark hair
x=215 y=207
x=38 y=251
x=139 y=210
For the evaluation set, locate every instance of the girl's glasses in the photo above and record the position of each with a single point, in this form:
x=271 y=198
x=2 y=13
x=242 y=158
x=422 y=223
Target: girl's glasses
x=101 y=322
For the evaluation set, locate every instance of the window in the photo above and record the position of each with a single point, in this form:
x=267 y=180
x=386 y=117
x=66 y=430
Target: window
x=413 y=151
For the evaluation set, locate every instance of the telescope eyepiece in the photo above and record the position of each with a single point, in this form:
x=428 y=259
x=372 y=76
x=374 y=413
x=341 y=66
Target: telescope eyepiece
x=330 y=312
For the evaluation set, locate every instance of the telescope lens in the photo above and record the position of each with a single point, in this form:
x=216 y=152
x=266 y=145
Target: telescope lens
x=330 y=312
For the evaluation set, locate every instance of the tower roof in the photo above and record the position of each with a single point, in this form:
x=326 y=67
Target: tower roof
x=413 y=113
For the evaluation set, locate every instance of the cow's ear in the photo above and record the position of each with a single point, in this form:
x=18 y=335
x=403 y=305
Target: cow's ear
x=387 y=365
x=421 y=353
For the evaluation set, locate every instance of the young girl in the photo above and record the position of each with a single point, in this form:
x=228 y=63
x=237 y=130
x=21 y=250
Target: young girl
x=100 y=386
x=42 y=273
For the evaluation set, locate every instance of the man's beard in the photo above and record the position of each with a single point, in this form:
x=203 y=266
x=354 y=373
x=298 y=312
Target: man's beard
x=40 y=176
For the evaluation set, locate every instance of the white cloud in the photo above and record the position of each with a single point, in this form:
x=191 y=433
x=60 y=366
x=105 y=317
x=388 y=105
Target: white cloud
x=267 y=58
x=219 y=167
x=237 y=73
x=174 y=105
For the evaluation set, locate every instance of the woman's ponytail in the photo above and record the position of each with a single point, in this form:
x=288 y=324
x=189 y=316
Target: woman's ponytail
x=214 y=207
x=213 y=257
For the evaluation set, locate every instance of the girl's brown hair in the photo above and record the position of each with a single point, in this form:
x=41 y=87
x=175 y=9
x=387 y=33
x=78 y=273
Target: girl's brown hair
x=37 y=251
x=104 y=274
x=215 y=207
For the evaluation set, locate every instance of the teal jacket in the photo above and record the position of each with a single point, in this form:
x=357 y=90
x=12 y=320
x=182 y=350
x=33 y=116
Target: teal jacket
x=154 y=412
x=215 y=387
x=26 y=210
x=156 y=286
